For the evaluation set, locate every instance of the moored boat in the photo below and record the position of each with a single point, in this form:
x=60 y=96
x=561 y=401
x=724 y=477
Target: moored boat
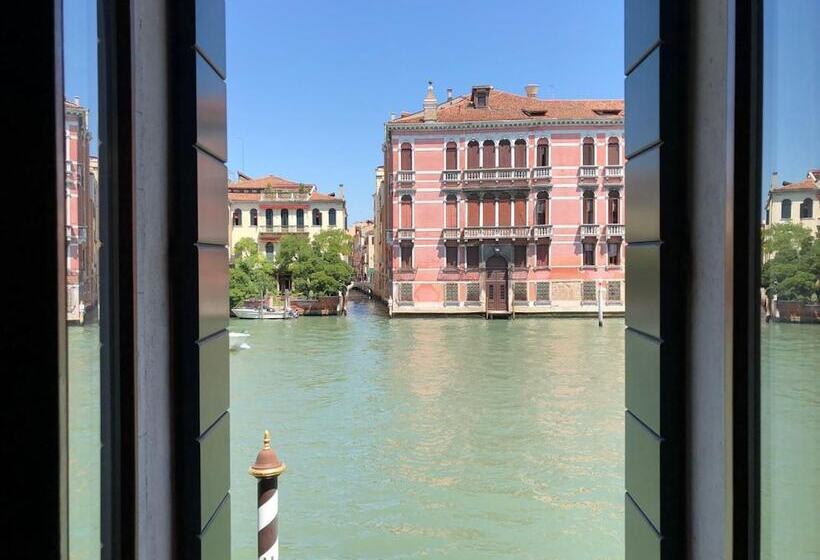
x=263 y=313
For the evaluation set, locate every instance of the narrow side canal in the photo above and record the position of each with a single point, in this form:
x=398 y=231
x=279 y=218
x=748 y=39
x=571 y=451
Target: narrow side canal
x=439 y=438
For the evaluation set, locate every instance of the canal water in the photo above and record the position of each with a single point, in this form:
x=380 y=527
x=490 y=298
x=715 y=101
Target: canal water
x=453 y=438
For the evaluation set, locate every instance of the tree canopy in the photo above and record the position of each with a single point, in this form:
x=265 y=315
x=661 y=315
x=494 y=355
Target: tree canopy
x=792 y=268
x=316 y=267
x=252 y=275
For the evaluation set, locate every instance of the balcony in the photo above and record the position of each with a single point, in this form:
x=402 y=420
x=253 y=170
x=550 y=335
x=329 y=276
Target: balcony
x=614 y=174
x=404 y=178
x=450 y=234
x=286 y=195
x=405 y=234
x=490 y=178
x=590 y=230
x=542 y=231
x=614 y=230
x=282 y=229
x=541 y=175
x=450 y=176
x=496 y=232
x=588 y=174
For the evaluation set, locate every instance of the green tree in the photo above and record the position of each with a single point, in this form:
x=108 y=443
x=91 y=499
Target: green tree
x=252 y=275
x=792 y=268
x=319 y=267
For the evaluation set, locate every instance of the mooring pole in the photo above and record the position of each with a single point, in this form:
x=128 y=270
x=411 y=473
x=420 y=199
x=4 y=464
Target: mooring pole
x=600 y=304
x=266 y=470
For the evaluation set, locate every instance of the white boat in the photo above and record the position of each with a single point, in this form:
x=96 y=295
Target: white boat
x=263 y=313
x=237 y=341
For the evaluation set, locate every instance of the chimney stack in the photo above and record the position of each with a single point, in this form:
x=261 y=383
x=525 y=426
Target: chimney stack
x=430 y=104
x=532 y=90
x=774 y=180
x=341 y=190
x=449 y=94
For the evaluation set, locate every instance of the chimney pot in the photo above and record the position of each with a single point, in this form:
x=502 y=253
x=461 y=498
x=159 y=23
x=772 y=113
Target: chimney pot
x=430 y=104
x=449 y=93
x=531 y=90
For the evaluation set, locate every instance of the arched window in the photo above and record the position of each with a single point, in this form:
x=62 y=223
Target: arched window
x=588 y=151
x=473 y=209
x=406 y=161
x=254 y=217
x=473 y=158
x=589 y=207
x=451 y=156
x=285 y=217
x=504 y=154
x=806 y=209
x=613 y=152
x=237 y=217
x=488 y=155
x=451 y=212
x=785 y=210
x=300 y=218
x=331 y=217
x=268 y=217
x=269 y=251
x=614 y=207
x=520 y=151
x=406 y=217
x=542 y=215
x=317 y=217
x=542 y=153
x=504 y=210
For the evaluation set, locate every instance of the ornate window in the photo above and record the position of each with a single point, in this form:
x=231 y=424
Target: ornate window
x=520 y=153
x=614 y=207
x=542 y=292
x=451 y=156
x=451 y=293
x=406 y=159
x=613 y=292
x=488 y=154
x=806 y=208
x=613 y=151
x=542 y=153
x=786 y=209
x=589 y=207
x=405 y=292
x=237 y=217
x=473 y=292
x=504 y=154
x=588 y=151
x=473 y=155
x=254 y=217
x=520 y=291
x=542 y=209
x=588 y=292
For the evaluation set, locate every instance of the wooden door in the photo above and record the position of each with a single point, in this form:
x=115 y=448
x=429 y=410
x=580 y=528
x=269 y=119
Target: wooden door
x=496 y=284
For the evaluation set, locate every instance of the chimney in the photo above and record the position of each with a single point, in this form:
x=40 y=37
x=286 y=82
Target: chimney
x=430 y=104
x=532 y=90
x=449 y=93
x=392 y=116
x=341 y=190
x=774 y=180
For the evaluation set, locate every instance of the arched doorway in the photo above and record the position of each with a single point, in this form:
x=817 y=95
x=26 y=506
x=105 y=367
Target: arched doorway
x=496 y=283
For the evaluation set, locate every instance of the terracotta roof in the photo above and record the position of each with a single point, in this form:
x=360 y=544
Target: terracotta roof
x=503 y=106
x=321 y=197
x=268 y=180
x=805 y=185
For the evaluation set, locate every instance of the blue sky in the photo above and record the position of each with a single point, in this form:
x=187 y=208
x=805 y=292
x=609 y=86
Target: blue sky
x=311 y=83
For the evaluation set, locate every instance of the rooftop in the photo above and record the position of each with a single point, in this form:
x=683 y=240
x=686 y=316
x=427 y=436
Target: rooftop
x=810 y=183
x=506 y=106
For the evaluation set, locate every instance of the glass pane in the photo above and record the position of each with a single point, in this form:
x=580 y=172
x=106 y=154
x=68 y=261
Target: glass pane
x=790 y=344
x=83 y=240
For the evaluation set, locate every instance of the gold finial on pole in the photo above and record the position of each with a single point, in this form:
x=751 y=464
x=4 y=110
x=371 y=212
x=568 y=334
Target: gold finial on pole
x=266 y=440
x=267 y=463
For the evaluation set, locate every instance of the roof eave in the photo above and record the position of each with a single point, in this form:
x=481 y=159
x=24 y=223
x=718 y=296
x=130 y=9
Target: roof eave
x=439 y=125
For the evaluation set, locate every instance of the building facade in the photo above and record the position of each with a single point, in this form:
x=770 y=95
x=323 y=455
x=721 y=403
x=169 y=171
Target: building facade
x=82 y=212
x=269 y=208
x=382 y=250
x=795 y=203
x=502 y=203
x=362 y=254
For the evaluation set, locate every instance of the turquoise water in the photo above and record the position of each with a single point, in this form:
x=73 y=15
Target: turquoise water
x=454 y=438
x=433 y=438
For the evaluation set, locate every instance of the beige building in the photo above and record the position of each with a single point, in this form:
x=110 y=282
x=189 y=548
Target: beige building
x=796 y=203
x=268 y=208
x=380 y=279
x=362 y=255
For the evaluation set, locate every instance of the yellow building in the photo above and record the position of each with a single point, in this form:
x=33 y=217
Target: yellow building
x=268 y=208
x=796 y=203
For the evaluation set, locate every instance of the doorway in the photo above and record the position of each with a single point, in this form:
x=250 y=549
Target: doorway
x=496 y=284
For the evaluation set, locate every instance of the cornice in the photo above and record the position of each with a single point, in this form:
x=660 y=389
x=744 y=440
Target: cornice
x=483 y=125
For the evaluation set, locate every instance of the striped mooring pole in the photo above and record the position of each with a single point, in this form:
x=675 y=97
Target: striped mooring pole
x=266 y=470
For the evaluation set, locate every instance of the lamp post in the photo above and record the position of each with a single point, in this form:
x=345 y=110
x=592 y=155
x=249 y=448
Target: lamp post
x=266 y=470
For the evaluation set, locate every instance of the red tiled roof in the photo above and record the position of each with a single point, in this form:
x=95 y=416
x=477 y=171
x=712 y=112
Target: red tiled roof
x=268 y=180
x=805 y=185
x=321 y=197
x=504 y=106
